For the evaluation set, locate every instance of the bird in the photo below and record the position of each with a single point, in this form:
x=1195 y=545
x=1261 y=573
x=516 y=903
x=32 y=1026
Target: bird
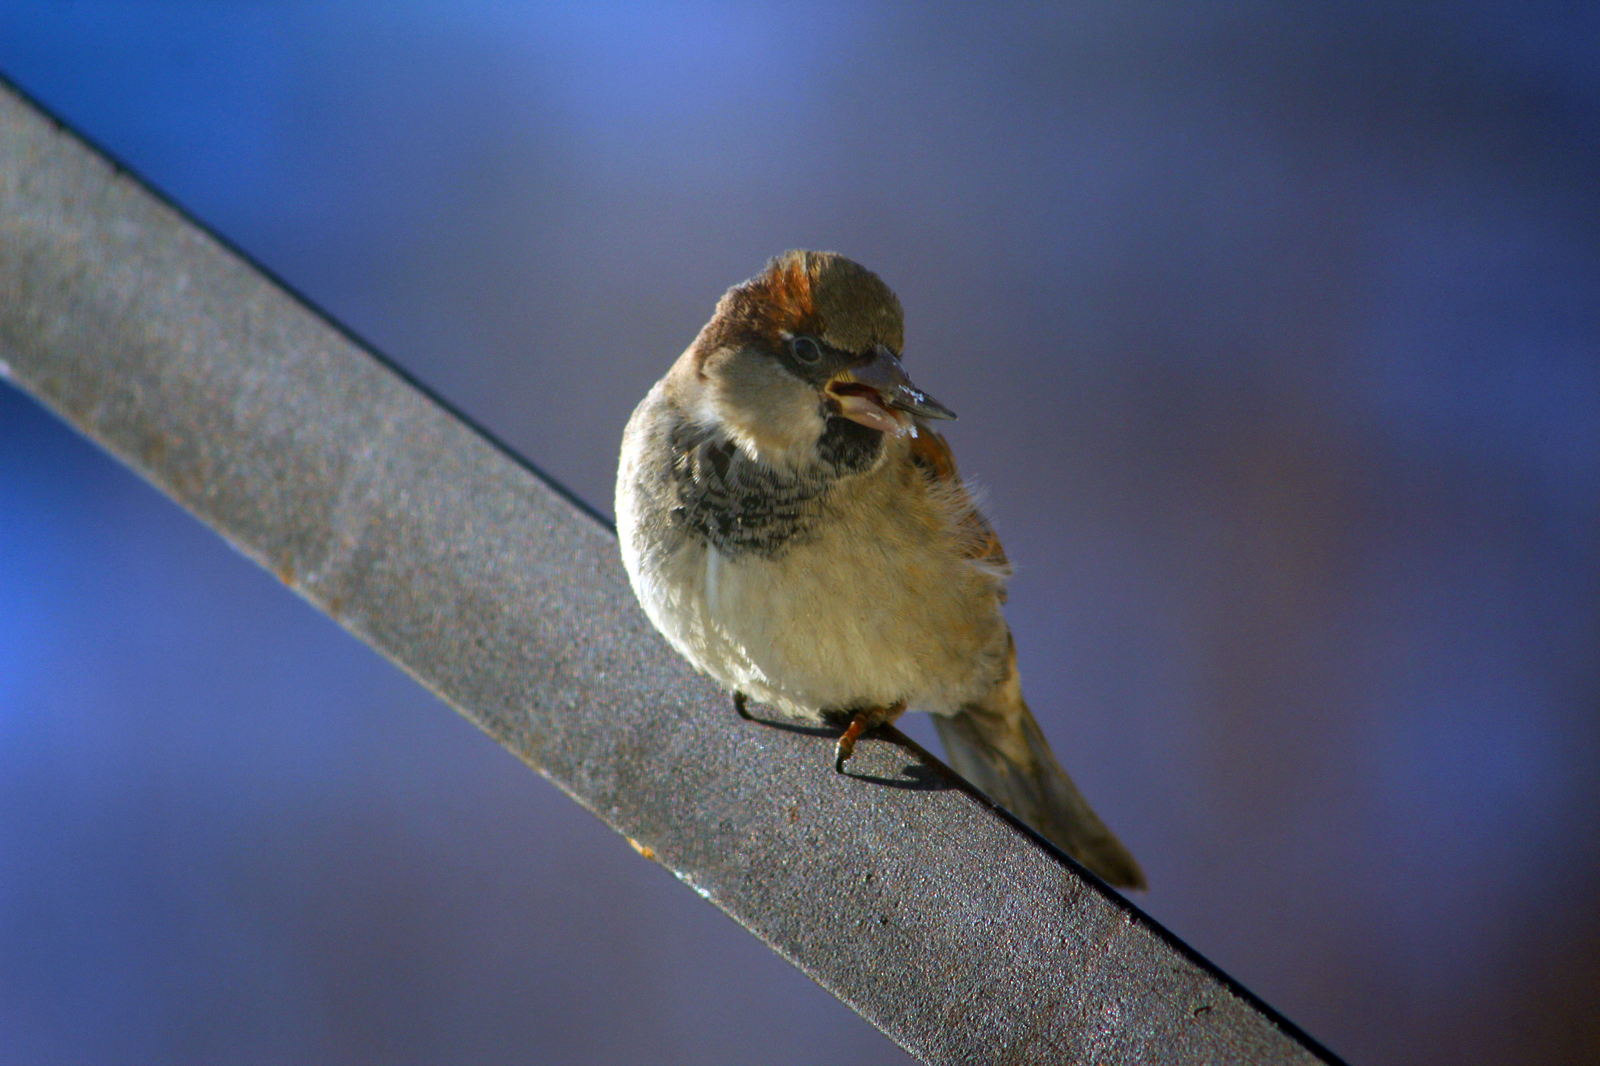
x=794 y=526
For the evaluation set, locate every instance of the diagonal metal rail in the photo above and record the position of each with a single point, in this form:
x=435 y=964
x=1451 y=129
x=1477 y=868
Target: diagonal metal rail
x=938 y=919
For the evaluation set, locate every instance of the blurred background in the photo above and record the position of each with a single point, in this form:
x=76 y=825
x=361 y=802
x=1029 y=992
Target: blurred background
x=1275 y=334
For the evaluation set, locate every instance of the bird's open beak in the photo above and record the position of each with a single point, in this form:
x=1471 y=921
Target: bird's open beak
x=879 y=394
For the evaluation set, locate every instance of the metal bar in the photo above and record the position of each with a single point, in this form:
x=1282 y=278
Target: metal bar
x=941 y=921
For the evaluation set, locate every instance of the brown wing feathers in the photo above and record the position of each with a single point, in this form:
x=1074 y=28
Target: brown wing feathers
x=979 y=541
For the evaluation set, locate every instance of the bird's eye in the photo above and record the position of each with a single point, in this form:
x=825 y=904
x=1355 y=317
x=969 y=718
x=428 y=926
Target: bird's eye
x=805 y=349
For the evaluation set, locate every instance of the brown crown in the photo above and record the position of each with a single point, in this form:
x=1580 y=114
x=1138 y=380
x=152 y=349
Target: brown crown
x=821 y=294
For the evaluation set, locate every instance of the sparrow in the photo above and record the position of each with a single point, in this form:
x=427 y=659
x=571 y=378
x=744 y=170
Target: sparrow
x=795 y=528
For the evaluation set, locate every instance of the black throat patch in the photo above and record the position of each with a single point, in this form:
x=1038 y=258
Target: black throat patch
x=740 y=506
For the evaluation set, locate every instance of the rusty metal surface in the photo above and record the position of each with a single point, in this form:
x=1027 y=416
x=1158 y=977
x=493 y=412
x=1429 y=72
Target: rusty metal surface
x=936 y=918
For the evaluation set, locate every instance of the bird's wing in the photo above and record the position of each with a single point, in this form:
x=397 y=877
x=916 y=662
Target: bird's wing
x=979 y=542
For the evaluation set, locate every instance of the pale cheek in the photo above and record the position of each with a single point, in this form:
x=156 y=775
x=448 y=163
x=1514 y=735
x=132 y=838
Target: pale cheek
x=777 y=424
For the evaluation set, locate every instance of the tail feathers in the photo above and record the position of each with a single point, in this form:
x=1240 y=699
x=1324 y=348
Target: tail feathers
x=998 y=747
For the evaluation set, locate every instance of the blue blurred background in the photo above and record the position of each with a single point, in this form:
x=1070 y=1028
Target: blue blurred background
x=1275 y=333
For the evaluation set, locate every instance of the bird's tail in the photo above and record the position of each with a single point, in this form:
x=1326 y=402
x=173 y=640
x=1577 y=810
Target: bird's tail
x=997 y=745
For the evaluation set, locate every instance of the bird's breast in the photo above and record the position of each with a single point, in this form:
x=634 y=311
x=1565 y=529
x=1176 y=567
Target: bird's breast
x=870 y=610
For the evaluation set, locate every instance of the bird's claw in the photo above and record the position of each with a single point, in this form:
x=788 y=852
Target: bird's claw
x=847 y=741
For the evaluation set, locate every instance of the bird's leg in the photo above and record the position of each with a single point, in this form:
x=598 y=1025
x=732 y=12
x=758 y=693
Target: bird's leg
x=739 y=699
x=847 y=741
x=863 y=720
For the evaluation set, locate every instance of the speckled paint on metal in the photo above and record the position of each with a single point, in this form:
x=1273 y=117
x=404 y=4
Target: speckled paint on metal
x=939 y=919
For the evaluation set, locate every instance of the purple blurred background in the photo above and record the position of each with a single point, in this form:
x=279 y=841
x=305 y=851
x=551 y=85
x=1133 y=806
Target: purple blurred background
x=1275 y=333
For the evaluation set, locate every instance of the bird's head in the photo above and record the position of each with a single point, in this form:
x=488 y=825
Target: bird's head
x=800 y=365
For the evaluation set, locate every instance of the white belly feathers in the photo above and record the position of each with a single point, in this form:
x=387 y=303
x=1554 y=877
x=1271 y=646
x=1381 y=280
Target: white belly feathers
x=810 y=630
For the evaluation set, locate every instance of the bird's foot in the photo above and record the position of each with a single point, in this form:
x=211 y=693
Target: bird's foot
x=739 y=699
x=847 y=740
x=861 y=721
